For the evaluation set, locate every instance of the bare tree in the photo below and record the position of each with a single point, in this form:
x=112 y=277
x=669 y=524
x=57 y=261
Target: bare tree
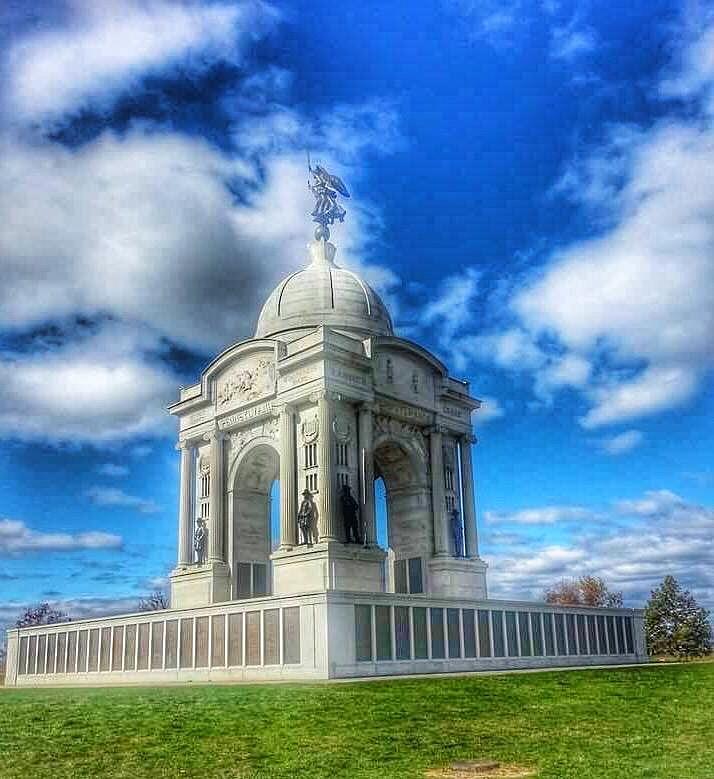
x=585 y=591
x=41 y=614
x=157 y=601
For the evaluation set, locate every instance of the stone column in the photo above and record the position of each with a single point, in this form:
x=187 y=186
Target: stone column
x=185 y=532
x=366 y=473
x=328 y=523
x=467 y=492
x=438 y=505
x=288 y=486
x=215 y=530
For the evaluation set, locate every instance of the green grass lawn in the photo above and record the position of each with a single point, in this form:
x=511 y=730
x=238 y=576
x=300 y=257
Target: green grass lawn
x=626 y=723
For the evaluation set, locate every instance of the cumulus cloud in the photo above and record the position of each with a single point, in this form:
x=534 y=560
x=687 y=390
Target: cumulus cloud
x=490 y=409
x=622 y=442
x=112 y=470
x=104 y=49
x=17 y=539
x=546 y=515
x=572 y=40
x=646 y=538
x=97 y=387
x=115 y=497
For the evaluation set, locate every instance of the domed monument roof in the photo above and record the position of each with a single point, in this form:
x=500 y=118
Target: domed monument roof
x=323 y=294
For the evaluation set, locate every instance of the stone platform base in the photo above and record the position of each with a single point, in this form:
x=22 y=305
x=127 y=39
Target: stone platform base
x=200 y=585
x=457 y=577
x=328 y=566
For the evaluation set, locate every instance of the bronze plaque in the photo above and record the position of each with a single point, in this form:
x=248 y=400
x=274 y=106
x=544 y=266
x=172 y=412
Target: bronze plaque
x=291 y=635
x=186 y=659
x=157 y=645
x=271 y=637
x=22 y=660
x=130 y=648
x=93 y=649
x=72 y=652
x=218 y=640
x=171 y=643
x=235 y=639
x=252 y=638
x=41 y=649
x=201 y=642
x=61 y=653
x=383 y=629
x=32 y=656
x=51 y=646
x=117 y=647
x=143 y=639
x=82 y=651
x=105 y=650
x=401 y=632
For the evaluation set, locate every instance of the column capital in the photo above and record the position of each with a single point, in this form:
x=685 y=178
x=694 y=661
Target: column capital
x=183 y=445
x=215 y=435
x=368 y=407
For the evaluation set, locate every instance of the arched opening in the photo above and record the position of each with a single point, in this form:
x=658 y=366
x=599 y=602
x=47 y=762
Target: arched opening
x=255 y=520
x=402 y=514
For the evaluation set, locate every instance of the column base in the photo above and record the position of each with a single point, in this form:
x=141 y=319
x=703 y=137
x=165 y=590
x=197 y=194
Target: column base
x=457 y=577
x=328 y=565
x=200 y=585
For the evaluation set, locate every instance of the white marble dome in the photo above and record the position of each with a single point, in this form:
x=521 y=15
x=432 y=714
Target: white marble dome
x=323 y=294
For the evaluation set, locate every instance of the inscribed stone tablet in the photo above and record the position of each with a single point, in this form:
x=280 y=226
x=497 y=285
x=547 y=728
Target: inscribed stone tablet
x=51 y=645
x=105 y=651
x=511 y=634
x=629 y=638
x=201 y=642
x=582 y=639
x=560 y=634
x=611 y=635
x=620 y=634
x=453 y=630
x=243 y=574
x=71 y=652
x=252 y=638
x=602 y=635
x=32 y=656
x=537 y=634
x=363 y=633
x=592 y=634
x=41 y=649
x=499 y=643
x=484 y=634
x=61 y=653
x=421 y=647
x=416 y=580
x=22 y=662
x=468 y=617
x=130 y=648
x=271 y=637
x=438 y=648
x=157 y=645
x=401 y=632
x=548 y=627
x=93 y=649
x=383 y=624
x=117 y=647
x=526 y=650
x=218 y=640
x=400 y=576
x=143 y=641
x=186 y=658
x=171 y=643
x=291 y=635
x=82 y=651
x=260 y=579
x=570 y=626
x=235 y=639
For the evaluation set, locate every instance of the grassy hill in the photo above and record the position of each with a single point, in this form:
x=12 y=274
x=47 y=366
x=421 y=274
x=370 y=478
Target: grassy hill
x=622 y=723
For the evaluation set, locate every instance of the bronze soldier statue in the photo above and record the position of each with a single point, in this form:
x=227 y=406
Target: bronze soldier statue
x=457 y=533
x=349 y=515
x=199 y=540
x=306 y=519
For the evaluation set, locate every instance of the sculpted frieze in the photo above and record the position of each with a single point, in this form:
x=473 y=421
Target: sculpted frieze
x=246 y=383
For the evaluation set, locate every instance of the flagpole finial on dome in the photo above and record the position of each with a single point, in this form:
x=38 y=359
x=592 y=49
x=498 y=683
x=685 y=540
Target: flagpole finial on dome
x=326 y=188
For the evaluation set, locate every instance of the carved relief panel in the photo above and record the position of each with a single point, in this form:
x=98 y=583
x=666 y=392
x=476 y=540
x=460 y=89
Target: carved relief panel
x=249 y=380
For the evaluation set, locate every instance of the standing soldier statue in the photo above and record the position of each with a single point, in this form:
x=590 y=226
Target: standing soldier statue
x=199 y=540
x=349 y=515
x=306 y=519
x=457 y=533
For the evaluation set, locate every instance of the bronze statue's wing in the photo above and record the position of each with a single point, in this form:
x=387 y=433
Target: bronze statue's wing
x=337 y=183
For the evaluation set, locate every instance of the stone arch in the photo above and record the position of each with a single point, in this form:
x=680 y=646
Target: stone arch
x=402 y=467
x=251 y=479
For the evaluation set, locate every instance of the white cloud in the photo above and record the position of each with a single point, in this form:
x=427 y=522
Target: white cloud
x=513 y=348
x=112 y=470
x=104 y=49
x=490 y=409
x=112 y=496
x=495 y=21
x=16 y=539
x=572 y=40
x=623 y=442
x=452 y=305
x=546 y=515
x=98 y=387
x=637 y=543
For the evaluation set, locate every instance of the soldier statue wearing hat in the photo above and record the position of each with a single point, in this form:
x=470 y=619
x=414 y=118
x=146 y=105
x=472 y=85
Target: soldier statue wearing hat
x=306 y=519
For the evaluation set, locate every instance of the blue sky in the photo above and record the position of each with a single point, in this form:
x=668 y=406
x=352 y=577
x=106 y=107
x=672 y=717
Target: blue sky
x=533 y=195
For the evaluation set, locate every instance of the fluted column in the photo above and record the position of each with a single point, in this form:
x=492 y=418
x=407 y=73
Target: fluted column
x=185 y=529
x=366 y=473
x=438 y=505
x=467 y=492
x=215 y=530
x=327 y=521
x=288 y=486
